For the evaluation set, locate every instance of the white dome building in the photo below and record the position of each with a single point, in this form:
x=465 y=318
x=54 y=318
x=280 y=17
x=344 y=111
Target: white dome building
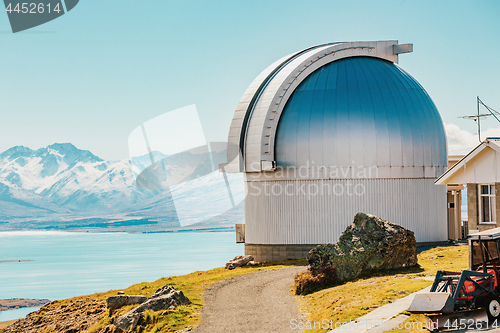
x=334 y=130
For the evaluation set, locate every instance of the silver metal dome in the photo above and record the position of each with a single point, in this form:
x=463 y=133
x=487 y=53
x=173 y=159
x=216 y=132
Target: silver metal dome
x=362 y=111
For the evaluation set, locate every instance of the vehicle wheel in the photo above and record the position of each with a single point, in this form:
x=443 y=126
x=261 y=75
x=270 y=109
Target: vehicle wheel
x=493 y=308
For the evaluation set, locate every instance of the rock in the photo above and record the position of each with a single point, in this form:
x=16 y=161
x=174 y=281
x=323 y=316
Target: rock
x=128 y=321
x=167 y=290
x=116 y=302
x=166 y=298
x=368 y=243
x=238 y=261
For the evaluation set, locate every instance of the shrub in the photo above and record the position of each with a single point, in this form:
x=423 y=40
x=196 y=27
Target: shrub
x=313 y=280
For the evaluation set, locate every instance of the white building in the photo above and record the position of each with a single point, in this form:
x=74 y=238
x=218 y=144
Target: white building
x=330 y=131
x=480 y=171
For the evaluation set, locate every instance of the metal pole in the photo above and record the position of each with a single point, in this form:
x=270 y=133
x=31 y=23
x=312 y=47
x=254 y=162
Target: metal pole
x=488 y=108
x=482 y=254
x=478 y=121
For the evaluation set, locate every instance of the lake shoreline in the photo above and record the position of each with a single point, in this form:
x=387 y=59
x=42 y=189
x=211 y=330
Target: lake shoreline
x=5 y=324
x=189 y=228
x=18 y=303
x=68 y=264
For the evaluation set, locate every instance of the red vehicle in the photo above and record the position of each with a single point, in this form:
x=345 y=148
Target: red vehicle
x=470 y=298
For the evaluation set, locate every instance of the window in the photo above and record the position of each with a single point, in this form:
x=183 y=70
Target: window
x=487 y=207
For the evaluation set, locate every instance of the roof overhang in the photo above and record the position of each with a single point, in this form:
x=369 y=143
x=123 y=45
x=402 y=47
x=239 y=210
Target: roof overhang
x=486 y=234
x=446 y=178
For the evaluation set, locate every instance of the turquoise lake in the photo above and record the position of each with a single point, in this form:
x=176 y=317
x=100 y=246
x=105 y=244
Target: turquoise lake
x=63 y=265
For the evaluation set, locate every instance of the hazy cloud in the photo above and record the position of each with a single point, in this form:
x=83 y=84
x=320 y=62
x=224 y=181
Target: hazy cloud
x=462 y=141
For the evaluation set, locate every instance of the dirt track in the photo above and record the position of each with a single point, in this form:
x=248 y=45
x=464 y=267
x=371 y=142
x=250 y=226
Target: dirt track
x=254 y=302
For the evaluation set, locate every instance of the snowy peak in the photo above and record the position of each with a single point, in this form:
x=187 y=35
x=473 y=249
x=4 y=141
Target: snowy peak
x=16 y=152
x=44 y=162
x=67 y=153
x=61 y=177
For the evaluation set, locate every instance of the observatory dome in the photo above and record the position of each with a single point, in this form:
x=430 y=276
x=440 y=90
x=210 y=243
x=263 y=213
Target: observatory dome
x=362 y=111
x=330 y=131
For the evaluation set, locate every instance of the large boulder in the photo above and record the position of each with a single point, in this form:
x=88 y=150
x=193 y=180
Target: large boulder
x=163 y=299
x=368 y=243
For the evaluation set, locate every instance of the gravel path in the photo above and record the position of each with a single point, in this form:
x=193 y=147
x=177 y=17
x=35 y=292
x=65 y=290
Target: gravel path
x=253 y=303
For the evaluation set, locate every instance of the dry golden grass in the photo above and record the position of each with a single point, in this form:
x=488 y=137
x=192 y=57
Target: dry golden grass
x=89 y=313
x=192 y=285
x=355 y=299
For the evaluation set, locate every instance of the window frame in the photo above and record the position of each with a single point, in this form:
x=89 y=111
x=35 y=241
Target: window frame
x=492 y=205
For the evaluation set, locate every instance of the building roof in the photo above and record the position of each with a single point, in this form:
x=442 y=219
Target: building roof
x=486 y=234
x=480 y=165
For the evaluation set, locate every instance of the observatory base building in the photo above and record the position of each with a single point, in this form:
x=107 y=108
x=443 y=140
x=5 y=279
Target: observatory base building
x=330 y=131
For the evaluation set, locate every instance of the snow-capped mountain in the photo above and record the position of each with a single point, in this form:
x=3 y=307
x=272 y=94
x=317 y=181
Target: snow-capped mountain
x=63 y=178
x=63 y=183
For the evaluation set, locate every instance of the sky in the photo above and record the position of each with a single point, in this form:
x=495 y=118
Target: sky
x=94 y=75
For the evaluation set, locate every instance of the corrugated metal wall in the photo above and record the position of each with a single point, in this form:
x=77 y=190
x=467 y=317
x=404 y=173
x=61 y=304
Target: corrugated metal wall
x=317 y=211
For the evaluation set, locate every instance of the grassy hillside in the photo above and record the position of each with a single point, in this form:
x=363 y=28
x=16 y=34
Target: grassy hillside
x=89 y=313
x=339 y=304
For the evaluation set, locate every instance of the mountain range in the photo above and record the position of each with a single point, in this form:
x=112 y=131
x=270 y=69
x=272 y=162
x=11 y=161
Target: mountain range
x=66 y=188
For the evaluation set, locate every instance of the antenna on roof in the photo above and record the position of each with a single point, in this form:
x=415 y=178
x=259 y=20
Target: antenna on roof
x=477 y=118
